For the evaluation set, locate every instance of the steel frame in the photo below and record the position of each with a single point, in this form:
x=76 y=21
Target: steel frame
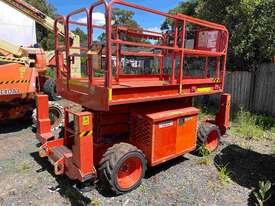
x=100 y=93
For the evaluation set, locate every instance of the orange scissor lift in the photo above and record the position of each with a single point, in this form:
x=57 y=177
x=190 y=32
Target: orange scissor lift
x=132 y=121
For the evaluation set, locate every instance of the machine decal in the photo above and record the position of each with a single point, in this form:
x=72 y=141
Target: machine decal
x=15 y=82
x=110 y=95
x=9 y=91
x=216 y=80
x=188 y=118
x=85 y=120
x=184 y=119
x=180 y=88
x=86 y=134
x=22 y=72
x=205 y=89
x=166 y=124
x=12 y=60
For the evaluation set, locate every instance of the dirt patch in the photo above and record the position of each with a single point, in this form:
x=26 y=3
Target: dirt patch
x=26 y=179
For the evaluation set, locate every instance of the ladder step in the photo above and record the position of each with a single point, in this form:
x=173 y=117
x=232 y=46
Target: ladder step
x=60 y=152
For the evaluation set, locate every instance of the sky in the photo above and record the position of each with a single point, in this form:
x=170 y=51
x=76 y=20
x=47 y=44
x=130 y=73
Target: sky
x=151 y=22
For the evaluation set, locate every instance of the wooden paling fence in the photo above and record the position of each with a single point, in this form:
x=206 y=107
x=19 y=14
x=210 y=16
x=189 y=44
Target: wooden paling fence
x=253 y=91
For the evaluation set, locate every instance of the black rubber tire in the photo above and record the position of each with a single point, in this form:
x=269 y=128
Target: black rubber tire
x=204 y=130
x=112 y=161
x=50 y=89
x=57 y=107
x=84 y=187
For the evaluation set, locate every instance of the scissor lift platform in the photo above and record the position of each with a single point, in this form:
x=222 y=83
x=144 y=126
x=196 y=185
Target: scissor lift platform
x=169 y=78
x=134 y=90
x=134 y=119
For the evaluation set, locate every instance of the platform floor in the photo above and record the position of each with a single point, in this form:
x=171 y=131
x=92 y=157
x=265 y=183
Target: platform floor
x=139 y=82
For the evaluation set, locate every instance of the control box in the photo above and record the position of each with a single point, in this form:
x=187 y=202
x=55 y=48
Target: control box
x=164 y=135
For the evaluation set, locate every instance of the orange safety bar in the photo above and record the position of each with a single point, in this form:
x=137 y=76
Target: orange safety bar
x=43 y=121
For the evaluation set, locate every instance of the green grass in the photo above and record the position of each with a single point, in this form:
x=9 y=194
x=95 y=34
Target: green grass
x=142 y=188
x=223 y=174
x=23 y=167
x=263 y=194
x=204 y=154
x=252 y=126
x=206 y=113
x=95 y=202
x=273 y=148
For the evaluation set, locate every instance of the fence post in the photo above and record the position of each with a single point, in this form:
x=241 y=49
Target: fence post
x=252 y=91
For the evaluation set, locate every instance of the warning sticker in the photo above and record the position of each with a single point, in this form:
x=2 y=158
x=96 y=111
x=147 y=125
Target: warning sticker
x=22 y=72
x=188 y=118
x=212 y=39
x=8 y=91
x=85 y=120
x=202 y=39
x=205 y=89
x=166 y=124
x=208 y=40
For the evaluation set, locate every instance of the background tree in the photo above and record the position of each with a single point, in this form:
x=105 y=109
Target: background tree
x=45 y=38
x=123 y=18
x=83 y=43
x=251 y=26
x=188 y=8
x=82 y=35
x=250 y=23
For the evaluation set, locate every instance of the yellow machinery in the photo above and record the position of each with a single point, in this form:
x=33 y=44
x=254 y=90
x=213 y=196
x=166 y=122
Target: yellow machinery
x=22 y=70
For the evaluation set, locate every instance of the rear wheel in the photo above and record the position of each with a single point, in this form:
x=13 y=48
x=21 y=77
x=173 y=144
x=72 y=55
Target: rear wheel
x=56 y=116
x=50 y=89
x=122 y=168
x=209 y=136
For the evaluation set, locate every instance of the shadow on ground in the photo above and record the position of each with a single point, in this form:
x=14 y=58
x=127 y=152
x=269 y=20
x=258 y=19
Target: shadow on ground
x=10 y=126
x=248 y=168
x=68 y=190
x=66 y=187
x=152 y=171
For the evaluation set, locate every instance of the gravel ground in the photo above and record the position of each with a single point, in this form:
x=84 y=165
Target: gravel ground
x=26 y=179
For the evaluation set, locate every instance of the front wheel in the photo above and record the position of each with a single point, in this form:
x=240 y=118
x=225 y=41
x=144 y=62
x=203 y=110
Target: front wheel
x=122 y=168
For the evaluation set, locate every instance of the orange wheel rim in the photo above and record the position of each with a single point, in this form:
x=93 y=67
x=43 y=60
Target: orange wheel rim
x=212 y=141
x=129 y=172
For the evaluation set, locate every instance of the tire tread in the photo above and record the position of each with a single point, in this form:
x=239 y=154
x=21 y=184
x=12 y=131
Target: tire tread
x=110 y=160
